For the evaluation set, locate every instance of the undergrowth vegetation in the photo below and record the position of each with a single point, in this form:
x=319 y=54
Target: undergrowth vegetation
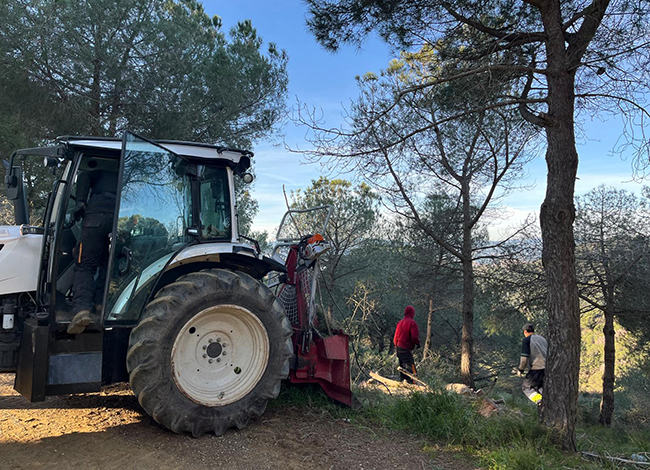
x=512 y=439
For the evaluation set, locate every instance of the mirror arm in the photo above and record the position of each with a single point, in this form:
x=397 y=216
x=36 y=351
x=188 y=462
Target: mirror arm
x=255 y=242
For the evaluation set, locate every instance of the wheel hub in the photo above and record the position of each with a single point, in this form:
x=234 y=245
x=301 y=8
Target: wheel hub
x=219 y=355
x=214 y=350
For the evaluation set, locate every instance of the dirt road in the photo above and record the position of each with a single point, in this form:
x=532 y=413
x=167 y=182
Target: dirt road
x=108 y=430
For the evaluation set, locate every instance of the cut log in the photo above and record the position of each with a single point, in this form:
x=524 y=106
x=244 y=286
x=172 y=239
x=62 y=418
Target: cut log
x=460 y=389
x=385 y=381
x=394 y=384
x=413 y=377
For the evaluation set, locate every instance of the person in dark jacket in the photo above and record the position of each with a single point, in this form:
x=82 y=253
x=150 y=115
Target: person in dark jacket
x=533 y=354
x=92 y=251
x=407 y=337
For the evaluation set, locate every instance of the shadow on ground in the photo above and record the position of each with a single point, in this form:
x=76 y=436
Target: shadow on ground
x=108 y=430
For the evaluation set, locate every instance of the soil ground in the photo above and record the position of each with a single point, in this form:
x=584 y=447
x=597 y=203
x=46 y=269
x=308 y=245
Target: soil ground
x=109 y=430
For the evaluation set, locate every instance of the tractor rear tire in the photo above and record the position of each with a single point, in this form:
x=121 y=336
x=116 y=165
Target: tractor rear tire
x=209 y=352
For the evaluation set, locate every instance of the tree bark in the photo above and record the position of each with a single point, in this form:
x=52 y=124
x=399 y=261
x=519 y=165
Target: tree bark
x=607 y=402
x=427 y=342
x=559 y=406
x=467 y=338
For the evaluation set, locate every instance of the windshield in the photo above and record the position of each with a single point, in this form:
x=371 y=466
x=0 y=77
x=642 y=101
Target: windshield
x=215 y=203
x=151 y=224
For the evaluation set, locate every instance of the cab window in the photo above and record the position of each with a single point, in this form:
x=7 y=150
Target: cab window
x=214 y=197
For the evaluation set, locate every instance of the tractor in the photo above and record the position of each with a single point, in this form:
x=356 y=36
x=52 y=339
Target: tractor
x=202 y=325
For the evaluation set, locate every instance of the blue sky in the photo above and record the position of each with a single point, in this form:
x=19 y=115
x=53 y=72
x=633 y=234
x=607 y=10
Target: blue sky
x=324 y=80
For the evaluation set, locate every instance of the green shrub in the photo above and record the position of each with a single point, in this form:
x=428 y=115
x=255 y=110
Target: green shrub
x=513 y=439
x=437 y=415
x=440 y=415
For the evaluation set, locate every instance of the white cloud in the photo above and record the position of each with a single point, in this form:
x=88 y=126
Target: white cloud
x=521 y=204
x=275 y=167
x=589 y=181
x=510 y=220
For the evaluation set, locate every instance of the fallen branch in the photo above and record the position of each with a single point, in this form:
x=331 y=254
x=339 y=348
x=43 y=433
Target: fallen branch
x=491 y=387
x=595 y=456
x=384 y=381
x=392 y=384
x=413 y=377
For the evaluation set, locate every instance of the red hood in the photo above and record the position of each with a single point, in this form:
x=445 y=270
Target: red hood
x=409 y=312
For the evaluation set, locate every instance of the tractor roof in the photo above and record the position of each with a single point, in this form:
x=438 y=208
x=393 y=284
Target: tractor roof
x=185 y=149
x=238 y=160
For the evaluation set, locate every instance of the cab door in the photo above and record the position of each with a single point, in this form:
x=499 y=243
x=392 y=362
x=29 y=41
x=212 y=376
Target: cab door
x=154 y=201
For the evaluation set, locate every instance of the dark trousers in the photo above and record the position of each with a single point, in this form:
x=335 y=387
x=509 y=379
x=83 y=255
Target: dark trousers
x=533 y=384
x=92 y=253
x=406 y=361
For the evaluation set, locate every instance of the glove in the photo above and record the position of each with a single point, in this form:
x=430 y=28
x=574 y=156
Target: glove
x=79 y=210
x=518 y=372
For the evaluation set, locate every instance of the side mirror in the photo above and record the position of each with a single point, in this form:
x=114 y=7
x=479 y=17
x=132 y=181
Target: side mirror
x=15 y=192
x=12 y=181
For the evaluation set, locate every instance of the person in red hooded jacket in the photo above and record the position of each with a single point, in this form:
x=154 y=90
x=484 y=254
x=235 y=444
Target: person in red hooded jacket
x=407 y=337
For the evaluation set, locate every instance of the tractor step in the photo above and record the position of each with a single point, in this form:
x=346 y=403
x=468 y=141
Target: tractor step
x=57 y=364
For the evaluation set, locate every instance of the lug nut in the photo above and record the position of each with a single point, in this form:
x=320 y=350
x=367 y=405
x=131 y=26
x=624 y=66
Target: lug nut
x=218 y=359
x=204 y=356
x=224 y=353
x=210 y=361
x=218 y=340
x=224 y=344
x=210 y=340
x=205 y=347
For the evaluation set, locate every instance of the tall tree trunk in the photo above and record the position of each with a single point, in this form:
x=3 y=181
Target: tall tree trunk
x=607 y=402
x=427 y=342
x=467 y=338
x=560 y=402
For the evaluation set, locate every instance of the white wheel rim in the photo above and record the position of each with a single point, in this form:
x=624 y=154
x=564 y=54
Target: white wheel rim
x=220 y=355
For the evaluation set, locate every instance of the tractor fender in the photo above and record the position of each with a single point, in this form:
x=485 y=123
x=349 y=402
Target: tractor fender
x=194 y=258
x=236 y=257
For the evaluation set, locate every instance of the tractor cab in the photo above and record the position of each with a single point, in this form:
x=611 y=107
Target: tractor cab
x=170 y=197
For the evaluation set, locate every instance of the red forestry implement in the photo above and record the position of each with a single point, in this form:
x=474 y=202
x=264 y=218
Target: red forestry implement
x=318 y=358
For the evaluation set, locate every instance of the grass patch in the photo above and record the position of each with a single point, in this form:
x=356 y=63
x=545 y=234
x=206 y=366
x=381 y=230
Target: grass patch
x=446 y=416
x=512 y=440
